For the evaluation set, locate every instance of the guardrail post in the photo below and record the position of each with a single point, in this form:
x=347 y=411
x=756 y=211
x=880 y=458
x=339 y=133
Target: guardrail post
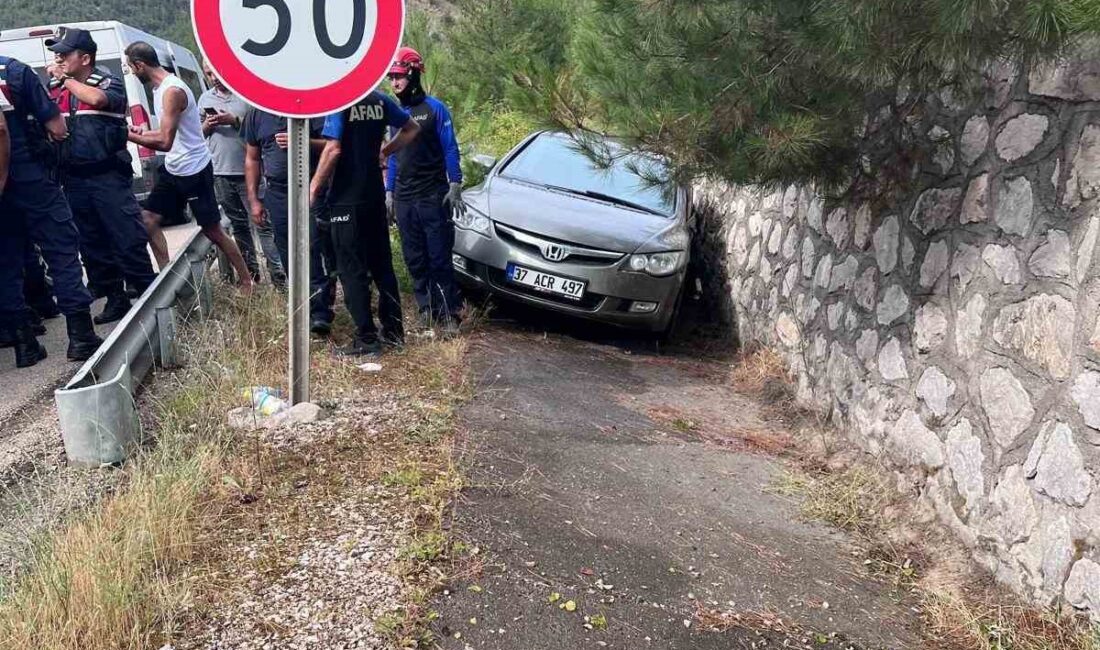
x=204 y=293
x=167 y=352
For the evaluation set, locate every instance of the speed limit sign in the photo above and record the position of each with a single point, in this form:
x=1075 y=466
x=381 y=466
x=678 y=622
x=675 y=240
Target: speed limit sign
x=299 y=58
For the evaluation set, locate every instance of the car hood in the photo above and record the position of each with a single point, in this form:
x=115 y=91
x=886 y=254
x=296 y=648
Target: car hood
x=568 y=217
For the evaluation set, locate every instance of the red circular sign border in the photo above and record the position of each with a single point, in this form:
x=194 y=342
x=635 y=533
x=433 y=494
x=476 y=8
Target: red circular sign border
x=294 y=102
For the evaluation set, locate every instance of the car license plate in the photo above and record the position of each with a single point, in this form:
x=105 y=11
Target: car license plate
x=546 y=283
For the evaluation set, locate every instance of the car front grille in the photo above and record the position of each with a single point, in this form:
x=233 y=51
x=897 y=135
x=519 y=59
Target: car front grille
x=555 y=250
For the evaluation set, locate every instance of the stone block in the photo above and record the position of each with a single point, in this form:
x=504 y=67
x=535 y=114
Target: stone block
x=1084 y=175
x=934 y=208
x=788 y=331
x=837 y=227
x=1087 y=250
x=815 y=213
x=968 y=327
x=930 y=328
x=943 y=148
x=974 y=140
x=776 y=239
x=824 y=273
x=915 y=444
x=908 y=254
x=1056 y=542
x=808 y=258
x=790 y=202
x=790 y=280
x=790 y=244
x=1075 y=79
x=965 y=265
x=844 y=274
x=1057 y=466
x=965 y=458
x=1021 y=135
x=894 y=305
x=1015 y=514
x=891 y=362
x=886 y=244
x=1015 y=205
x=1082 y=589
x=936 y=389
x=1004 y=263
x=864 y=289
x=862 y=233
x=754 y=256
x=935 y=263
x=1041 y=330
x=1086 y=394
x=1007 y=405
x=1053 y=258
x=867 y=346
x=756 y=224
x=975 y=207
x=835 y=314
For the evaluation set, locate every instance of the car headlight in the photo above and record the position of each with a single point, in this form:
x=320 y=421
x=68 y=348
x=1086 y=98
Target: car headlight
x=473 y=220
x=657 y=264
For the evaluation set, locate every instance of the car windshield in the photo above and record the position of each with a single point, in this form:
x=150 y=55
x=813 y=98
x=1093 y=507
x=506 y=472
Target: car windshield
x=553 y=160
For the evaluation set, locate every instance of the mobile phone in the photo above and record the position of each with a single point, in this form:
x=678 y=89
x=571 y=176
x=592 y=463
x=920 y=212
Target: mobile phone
x=210 y=110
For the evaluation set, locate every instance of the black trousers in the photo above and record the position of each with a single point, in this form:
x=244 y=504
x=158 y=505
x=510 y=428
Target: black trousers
x=361 y=240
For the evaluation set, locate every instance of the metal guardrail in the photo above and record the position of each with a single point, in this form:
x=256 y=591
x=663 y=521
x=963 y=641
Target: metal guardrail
x=97 y=409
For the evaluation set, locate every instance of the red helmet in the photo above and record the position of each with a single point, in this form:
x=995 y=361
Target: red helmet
x=406 y=61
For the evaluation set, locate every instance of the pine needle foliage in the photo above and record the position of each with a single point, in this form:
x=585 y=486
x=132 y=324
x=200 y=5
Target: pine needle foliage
x=765 y=91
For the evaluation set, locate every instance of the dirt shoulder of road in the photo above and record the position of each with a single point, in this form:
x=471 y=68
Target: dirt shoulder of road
x=318 y=534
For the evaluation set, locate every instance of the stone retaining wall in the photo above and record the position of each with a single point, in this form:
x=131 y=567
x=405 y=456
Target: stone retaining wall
x=954 y=328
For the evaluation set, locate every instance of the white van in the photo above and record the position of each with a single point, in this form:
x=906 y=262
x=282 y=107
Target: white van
x=112 y=37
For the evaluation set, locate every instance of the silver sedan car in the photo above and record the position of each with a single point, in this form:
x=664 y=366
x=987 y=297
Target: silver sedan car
x=550 y=228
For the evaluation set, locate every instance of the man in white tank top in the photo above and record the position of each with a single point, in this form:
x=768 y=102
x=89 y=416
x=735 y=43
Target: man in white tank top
x=187 y=178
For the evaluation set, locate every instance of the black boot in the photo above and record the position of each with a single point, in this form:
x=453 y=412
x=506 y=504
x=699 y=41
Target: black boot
x=28 y=351
x=83 y=341
x=46 y=308
x=34 y=321
x=118 y=305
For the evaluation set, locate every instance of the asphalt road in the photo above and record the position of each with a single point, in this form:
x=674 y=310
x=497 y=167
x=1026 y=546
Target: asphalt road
x=22 y=388
x=587 y=479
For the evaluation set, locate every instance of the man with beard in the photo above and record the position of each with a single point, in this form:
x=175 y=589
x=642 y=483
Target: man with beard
x=187 y=178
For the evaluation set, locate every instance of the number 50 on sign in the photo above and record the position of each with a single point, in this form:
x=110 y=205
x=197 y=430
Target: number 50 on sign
x=299 y=58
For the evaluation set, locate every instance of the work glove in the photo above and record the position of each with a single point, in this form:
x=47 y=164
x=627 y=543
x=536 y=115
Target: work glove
x=454 y=197
x=391 y=209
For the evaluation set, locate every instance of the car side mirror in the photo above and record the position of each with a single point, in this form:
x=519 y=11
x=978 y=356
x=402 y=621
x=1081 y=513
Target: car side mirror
x=484 y=160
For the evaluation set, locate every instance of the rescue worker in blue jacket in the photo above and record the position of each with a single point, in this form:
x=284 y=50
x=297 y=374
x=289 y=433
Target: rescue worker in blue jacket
x=357 y=203
x=33 y=206
x=97 y=174
x=423 y=186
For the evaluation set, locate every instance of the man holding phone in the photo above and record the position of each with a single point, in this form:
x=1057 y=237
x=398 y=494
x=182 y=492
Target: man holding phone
x=223 y=114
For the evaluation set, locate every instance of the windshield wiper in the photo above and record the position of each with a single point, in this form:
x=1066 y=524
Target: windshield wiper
x=593 y=194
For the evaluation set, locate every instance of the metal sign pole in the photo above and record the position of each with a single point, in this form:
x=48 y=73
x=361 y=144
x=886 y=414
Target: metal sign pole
x=298 y=273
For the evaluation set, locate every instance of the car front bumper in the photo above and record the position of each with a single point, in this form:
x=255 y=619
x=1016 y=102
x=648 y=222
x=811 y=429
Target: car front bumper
x=612 y=295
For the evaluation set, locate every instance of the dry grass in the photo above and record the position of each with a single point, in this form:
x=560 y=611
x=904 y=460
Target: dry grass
x=109 y=579
x=762 y=373
x=852 y=500
x=121 y=574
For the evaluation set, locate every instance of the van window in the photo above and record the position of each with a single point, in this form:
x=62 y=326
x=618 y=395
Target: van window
x=191 y=78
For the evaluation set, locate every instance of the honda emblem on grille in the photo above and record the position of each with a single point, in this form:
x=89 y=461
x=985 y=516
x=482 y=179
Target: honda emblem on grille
x=554 y=252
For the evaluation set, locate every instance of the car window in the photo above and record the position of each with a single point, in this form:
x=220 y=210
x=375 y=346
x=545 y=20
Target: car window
x=554 y=159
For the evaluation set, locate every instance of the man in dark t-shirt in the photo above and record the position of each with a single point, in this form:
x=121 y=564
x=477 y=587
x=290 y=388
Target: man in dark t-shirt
x=360 y=233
